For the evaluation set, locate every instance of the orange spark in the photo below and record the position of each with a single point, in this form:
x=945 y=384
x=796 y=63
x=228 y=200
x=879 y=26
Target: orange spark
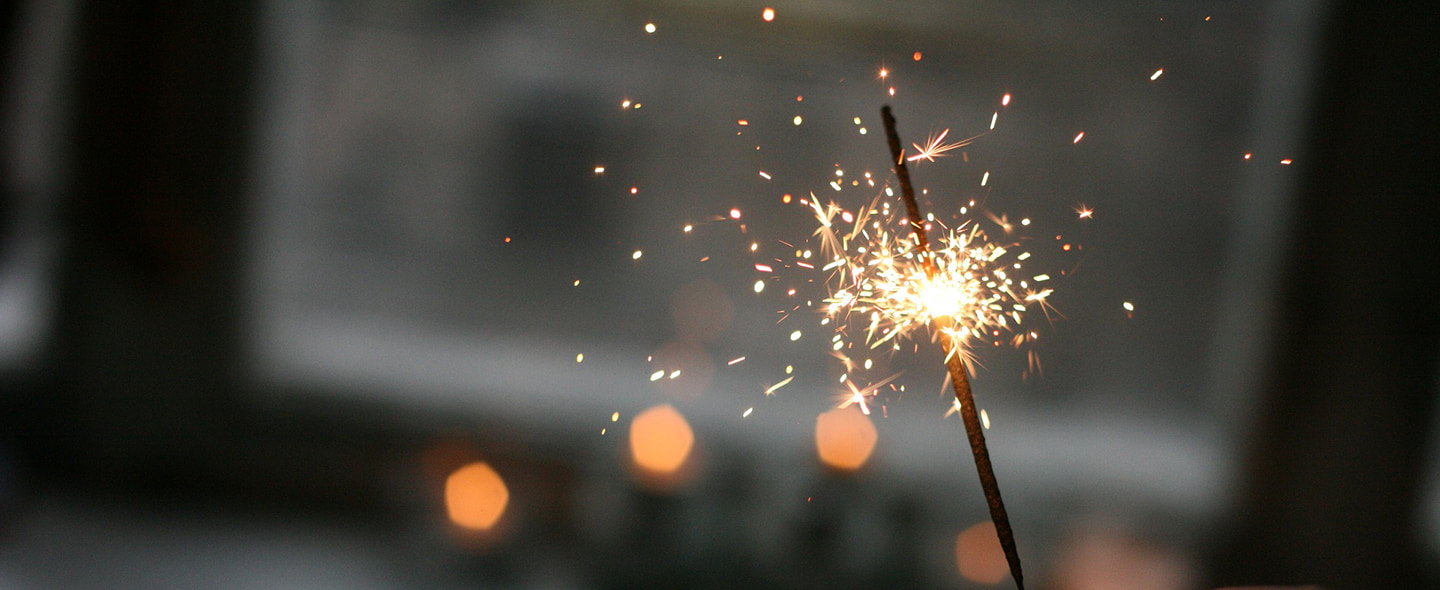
x=935 y=147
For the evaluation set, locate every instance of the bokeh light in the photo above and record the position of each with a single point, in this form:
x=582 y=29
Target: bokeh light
x=660 y=440
x=979 y=556
x=476 y=496
x=844 y=438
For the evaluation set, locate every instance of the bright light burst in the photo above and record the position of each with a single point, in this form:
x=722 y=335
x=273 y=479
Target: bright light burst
x=973 y=291
x=936 y=147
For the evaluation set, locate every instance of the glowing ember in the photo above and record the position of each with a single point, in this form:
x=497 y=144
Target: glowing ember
x=768 y=14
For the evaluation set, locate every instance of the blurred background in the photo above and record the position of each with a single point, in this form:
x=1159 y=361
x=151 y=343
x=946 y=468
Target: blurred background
x=441 y=294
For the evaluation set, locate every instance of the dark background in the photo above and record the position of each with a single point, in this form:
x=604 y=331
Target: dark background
x=256 y=300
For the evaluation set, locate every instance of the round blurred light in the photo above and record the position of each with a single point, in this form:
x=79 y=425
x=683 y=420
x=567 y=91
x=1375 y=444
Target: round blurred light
x=844 y=438
x=475 y=496
x=660 y=439
x=979 y=556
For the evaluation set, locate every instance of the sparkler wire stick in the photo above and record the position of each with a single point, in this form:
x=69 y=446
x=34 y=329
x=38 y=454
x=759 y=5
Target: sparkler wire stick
x=954 y=362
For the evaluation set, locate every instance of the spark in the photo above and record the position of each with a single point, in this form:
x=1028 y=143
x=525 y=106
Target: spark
x=1005 y=100
x=798 y=120
x=1286 y=162
x=599 y=170
x=747 y=412
x=657 y=375
x=985 y=418
x=1084 y=212
x=615 y=417
x=736 y=360
x=650 y=28
x=580 y=358
x=1078 y=137
x=636 y=255
x=1128 y=306
x=763 y=268
x=765 y=175
x=759 y=286
x=776 y=387
x=881 y=291
x=936 y=147
x=1157 y=74
x=768 y=14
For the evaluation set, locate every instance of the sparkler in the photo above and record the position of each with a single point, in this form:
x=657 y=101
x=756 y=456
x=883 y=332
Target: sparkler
x=945 y=325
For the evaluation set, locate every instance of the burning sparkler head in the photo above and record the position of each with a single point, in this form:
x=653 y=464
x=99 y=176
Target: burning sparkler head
x=884 y=287
x=940 y=298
